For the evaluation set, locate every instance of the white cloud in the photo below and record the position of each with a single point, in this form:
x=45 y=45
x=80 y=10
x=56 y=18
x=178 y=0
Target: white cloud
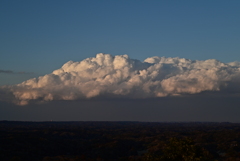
x=107 y=75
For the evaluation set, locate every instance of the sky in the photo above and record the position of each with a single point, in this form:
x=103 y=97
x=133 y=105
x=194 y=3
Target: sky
x=39 y=37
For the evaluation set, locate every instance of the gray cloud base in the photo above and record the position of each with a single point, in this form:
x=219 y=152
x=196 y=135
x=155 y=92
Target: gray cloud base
x=119 y=76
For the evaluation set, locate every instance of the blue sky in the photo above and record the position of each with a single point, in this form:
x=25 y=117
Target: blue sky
x=40 y=36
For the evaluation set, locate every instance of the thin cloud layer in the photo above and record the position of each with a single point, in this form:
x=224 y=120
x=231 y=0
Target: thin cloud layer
x=12 y=72
x=119 y=76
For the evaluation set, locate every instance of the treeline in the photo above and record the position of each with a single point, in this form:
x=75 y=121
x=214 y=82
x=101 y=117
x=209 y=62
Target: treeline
x=119 y=141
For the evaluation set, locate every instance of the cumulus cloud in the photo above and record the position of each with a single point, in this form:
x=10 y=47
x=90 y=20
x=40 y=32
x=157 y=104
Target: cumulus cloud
x=120 y=76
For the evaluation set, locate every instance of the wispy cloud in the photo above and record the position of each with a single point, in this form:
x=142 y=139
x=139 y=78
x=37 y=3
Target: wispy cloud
x=12 y=72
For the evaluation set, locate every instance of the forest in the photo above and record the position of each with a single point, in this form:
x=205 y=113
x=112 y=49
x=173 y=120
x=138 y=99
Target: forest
x=119 y=141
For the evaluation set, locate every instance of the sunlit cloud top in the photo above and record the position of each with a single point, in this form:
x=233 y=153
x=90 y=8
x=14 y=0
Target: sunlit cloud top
x=120 y=76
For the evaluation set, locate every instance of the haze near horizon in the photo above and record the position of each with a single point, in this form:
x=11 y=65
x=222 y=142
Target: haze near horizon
x=120 y=60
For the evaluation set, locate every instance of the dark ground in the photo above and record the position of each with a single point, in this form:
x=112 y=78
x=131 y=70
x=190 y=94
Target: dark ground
x=109 y=141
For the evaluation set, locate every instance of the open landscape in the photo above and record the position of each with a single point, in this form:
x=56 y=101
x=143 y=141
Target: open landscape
x=119 y=141
x=119 y=80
